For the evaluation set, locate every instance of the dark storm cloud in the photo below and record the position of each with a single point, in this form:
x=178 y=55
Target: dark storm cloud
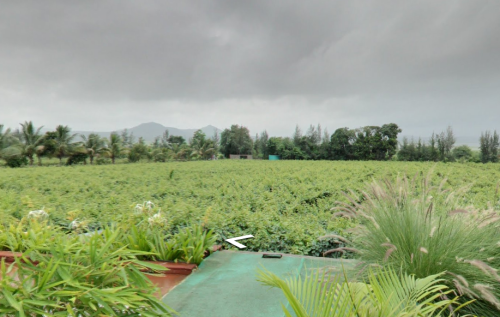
x=335 y=62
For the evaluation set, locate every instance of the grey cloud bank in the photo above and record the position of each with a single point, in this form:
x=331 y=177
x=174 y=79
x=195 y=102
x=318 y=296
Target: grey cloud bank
x=108 y=65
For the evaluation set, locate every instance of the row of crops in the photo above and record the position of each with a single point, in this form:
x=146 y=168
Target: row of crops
x=285 y=205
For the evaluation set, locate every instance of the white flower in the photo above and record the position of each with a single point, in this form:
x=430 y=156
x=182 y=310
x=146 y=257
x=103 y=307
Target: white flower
x=138 y=208
x=75 y=224
x=38 y=214
x=149 y=204
x=156 y=219
x=146 y=207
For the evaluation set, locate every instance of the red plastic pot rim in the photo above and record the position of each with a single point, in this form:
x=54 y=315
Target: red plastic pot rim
x=10 y=256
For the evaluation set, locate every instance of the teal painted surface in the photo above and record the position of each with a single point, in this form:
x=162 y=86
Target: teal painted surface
x=225 y=285
x=274 y=157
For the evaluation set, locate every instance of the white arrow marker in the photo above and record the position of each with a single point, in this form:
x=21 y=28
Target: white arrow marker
x=236 y=244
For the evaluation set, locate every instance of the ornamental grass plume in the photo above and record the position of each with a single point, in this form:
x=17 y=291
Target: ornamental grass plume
x=421 y=227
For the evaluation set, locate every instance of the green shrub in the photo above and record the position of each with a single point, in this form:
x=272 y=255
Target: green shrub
x=77 y=158
x=95 y=281
x=420 y=228
x=34 y=235
x=16 y=161
x=188 y=246
x=102 y=161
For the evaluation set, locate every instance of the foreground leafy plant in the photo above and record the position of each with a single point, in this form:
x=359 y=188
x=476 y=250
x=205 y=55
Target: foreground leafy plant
x=420 y=228
x=189 y=245
x=387 y=294
x=97 y=280
x=34 y=235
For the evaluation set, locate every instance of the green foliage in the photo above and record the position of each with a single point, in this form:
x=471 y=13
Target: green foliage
x=93 y=145
x=375 y=143
x=31 y=140
x=96 y=280
x=114 y=147
x=189 y=245
x=63 y=142
x=16 y=161
x=100 y=160
x=342 y=141
x=236 y=140
x=421 y=227
x=462 y=153
x=386 y=294
x=438 y=148
x=138 y=151
x=280 y=203
x=77 y=158
x=32 y=235
x=489 y=146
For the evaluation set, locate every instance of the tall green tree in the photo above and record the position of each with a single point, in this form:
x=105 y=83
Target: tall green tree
x=114 y=147
x=31 y=141
x=488 y=144
x=264 y=137
x=201 y=146
x=94 y=145
x=216 y=141
x=64 y=144
x=5 y=137
x=376 y=143
x=236 y=140
x=176 y=139
x=445 y=142
x=138 y=151
x=342 y=144
x=389 y=140
x=297 y=135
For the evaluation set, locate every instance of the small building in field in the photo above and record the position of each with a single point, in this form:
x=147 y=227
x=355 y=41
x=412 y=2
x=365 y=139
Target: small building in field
x=240 y=156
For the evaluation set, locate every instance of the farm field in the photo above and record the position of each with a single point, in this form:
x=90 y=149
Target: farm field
x=286 y=205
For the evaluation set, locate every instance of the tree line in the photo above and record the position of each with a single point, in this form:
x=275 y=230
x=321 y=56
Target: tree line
x=29 y=146
x=441 y=147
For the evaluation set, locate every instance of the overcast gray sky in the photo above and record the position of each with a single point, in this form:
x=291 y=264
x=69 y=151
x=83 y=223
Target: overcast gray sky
x=107 y=65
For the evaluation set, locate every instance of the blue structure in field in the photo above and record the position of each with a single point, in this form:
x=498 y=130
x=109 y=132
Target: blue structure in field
x=274 y=157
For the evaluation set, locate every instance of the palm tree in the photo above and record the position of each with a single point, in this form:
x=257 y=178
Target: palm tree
x=93 y=144
x=32 y=141
x=8 y=144
x=204 y=151
x=115 y=148
x=63 y=142
x=5 y=137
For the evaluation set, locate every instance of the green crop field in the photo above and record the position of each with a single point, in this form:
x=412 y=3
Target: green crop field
x=286 y=205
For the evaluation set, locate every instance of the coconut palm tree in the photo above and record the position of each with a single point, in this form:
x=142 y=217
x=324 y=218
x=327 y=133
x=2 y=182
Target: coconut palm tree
x=203 y=151
x=5 y=137
x=93 y=145
x=63 y=142
x=114 y=146
x=31 y=141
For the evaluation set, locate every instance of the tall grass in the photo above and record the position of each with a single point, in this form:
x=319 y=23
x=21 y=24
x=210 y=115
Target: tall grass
x=420 y=227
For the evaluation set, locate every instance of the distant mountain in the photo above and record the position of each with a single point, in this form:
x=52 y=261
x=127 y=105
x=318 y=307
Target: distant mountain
x=149 y=131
